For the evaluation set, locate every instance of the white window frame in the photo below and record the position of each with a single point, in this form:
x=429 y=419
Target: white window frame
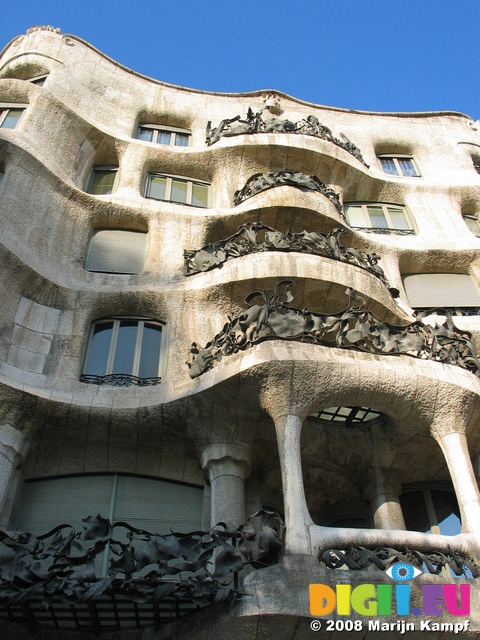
x=396 y=157
x=102 y=167
x=160 y=127
x=384 y=205
x=473 y=218
x=141 y=321
x=168 y=188
x=5 y=107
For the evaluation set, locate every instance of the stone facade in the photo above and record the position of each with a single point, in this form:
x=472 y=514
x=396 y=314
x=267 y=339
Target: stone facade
x=238 y=411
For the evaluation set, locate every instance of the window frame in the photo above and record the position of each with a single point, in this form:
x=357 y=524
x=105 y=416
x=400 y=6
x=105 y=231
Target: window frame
x=129 y=273
x=141 y=321
x=5 y=107
x=396 y=157
x=412 y=230
x=102 y=167
x=473 y=218
x=168 y=189
x=39 y=80
x=156 y=128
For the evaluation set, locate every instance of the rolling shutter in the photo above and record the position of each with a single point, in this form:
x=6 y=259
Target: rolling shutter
x=429 y=290
x=117 y=251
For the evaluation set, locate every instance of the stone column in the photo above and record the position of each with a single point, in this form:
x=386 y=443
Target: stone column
x=455 y=449
x=382 y=488
x=297 y=516
x=227 y=465
x=13 y=448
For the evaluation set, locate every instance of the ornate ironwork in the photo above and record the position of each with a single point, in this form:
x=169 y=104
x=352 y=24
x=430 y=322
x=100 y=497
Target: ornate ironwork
x=254 y=237
x=353 y=328
x=197 y=569
x=119 y=380
x=255 y=123
x=262 y=181
x=389 y=232
x=476 y=164
x=357 y=558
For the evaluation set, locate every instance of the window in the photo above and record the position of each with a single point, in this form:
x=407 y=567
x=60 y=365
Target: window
x=116 y=251
x=39 y=80
x=431 y=510
x=125 y=351
x=155 y=505
x=161 y=134
x=102 y=180
x=10 y=116
x=399 y=166
x=2 y=175
x=379 y=218
x=431 y=290
x=178 y=190
x=472 y=223
x=347 y=416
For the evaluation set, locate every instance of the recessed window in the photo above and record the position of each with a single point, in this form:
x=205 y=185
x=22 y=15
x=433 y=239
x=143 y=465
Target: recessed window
x=431 y=511
x=10 y=116
x=431 y=290
x=102 y=180
x=116 y=251
x=472 y=223
x=158 y=506
x=399 y=166
x=178 y=190
x=39 y=80
x=125 y=351
x=161 y=134
x=347 y=416
x=379 y=217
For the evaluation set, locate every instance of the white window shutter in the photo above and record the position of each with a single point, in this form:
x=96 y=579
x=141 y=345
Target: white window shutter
x=429 y=290
x=117 y=251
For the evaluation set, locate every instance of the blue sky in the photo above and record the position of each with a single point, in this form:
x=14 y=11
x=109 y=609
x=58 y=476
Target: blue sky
x=378 y=55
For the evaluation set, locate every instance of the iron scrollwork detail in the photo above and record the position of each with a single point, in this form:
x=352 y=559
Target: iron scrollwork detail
x=198 y=568
x=262 y=181
x=256 y=237
x=255 y=123
x=119 y=380
x=356 y=558
x=353 y=328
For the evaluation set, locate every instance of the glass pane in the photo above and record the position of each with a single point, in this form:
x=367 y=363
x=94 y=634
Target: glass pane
x=11 y=119
x=99 y=349
x=2 y=175
x=388 y=165
x=145 y=134
x=39 y=81
x=157 y=187
x=398 y=218
x=163 y=137
x=179 y=191
x=102 y=182
x=377 y=218
x=407 y=167
x=473 y=224
x=181 y=139
x=356 y=217
x=200 y=195
x=125 y=351
x=150 y=351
